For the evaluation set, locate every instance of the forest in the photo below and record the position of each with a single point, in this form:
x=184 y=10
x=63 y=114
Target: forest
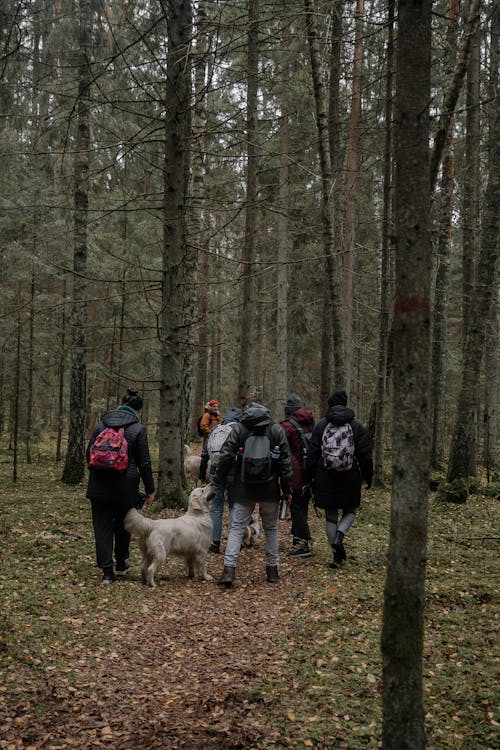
x=207 y=199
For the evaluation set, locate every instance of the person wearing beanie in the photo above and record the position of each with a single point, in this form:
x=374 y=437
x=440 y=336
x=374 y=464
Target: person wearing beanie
x=211 y=418
x=340 y=457
x=293 y=403
x=112 y=493
x=299 y=420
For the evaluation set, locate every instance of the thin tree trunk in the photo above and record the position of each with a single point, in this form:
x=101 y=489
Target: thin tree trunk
x=403 y=630
x=334 y=129
x=247 y=326
x=350 y=195
x=202 y=350
x=491 y=388
x=385 y=265
x=327 y=212
x=282 y=292
x=31 y=367
x=472 y=181
x=61 y=377
x=74 y=465
x=439 y=329
x=176 y=169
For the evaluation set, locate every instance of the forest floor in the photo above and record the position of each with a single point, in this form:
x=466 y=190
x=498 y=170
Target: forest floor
x=188 y=665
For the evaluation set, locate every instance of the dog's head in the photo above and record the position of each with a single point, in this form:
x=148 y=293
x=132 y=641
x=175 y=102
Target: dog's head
x=199 y=499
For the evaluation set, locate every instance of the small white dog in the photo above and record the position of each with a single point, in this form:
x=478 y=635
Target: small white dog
x=252 y=531
x=188 y=536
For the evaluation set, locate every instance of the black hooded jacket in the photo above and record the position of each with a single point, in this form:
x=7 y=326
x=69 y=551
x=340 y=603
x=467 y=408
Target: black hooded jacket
x=112 y=485
x=340 y=489
x=256 y=416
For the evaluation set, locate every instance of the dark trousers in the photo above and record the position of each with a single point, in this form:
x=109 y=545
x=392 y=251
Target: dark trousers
x=109 y=532
x=298 y=511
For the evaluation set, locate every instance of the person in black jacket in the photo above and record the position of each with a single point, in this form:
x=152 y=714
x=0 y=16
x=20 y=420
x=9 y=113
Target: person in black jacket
x=339 y=491
x=113 y=493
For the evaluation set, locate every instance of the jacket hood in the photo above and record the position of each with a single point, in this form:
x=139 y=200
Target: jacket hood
x=339 y=414
x=233 y=414
x=256 y=416
x=119 y=418
x=304 y=417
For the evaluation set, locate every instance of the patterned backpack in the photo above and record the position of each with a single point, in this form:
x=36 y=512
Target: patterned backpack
x=216 y=439
x=337 y=447
x=109 y=450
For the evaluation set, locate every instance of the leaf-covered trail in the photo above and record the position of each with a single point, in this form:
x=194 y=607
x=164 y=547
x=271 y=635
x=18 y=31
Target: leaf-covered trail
x=179 y=675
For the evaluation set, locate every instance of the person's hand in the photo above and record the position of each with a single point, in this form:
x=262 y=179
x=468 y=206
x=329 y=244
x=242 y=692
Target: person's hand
x=148 y=502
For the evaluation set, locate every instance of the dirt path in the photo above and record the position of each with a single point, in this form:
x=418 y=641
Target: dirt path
x=179 y=676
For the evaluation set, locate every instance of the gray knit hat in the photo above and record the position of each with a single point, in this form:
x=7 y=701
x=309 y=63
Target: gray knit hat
x=293 y=403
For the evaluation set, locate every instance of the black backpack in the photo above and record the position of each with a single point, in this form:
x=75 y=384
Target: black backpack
x=198 y=430
x=305 y=439
x=259 y=457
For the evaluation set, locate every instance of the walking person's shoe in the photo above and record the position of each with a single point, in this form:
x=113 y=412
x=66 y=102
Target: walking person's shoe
x=339 y=554
x=272 y=573
x=108 y=576
x=301 y=550
x=227 y=577
x=215 y=548
x=122 y=568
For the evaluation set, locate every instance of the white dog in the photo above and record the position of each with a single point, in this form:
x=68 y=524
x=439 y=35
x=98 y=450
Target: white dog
x=252 y=531
x=187 y=536
x=192 y=465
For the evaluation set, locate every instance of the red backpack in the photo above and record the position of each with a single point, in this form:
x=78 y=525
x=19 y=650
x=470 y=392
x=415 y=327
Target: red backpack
x=109 y=450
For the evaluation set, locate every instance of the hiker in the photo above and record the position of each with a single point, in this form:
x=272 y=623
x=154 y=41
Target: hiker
x=211 y=452
x=340 y=457
x=260 y=450
x=298 y=425
x=209 y=419
x=113 y=491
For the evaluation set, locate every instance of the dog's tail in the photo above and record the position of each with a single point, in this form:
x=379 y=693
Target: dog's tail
x=136 y=523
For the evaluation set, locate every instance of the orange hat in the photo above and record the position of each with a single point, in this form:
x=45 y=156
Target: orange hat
x=213 y=402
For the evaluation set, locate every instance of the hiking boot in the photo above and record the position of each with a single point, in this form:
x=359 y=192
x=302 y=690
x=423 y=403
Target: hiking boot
x=215 y=548
x=227 y=577
x=300 y=550
x=122 y=568
x=272 y=573
x=107 y=576
x=339 y=554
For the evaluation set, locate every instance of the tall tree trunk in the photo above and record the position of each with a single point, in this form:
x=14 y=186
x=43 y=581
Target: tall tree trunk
x=402 y=633
x=327 y=354
x=247 y=324
x=61 y=375
x=176 y=169
x=74 y=465
x=463 y=439
x=327 y=209
x=202 y=349
x=386 y=285
x=283 y=239
x=350 y=195
x=445 y=203
x=472 y=180
x=196 y=239
x=491 y=386
x=31 y=368
x=16 y=384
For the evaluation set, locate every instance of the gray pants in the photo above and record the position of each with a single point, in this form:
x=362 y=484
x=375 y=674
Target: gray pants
x=242 y=513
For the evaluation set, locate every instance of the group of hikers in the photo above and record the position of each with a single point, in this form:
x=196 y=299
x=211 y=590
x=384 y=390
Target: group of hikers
x=253 y=461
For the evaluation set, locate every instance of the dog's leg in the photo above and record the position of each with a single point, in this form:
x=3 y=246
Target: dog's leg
x=200 y=563
x=150 y=574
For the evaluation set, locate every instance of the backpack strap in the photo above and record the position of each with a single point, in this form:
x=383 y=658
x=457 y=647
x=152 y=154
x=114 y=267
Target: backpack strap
x=295 y=424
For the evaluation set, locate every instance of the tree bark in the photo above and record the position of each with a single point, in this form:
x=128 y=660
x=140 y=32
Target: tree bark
x=74 y=466
x=327 y=208
x=386 y=285
x=247 y=324
x=402 y=633
x=351 y=195
x=176 y=168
